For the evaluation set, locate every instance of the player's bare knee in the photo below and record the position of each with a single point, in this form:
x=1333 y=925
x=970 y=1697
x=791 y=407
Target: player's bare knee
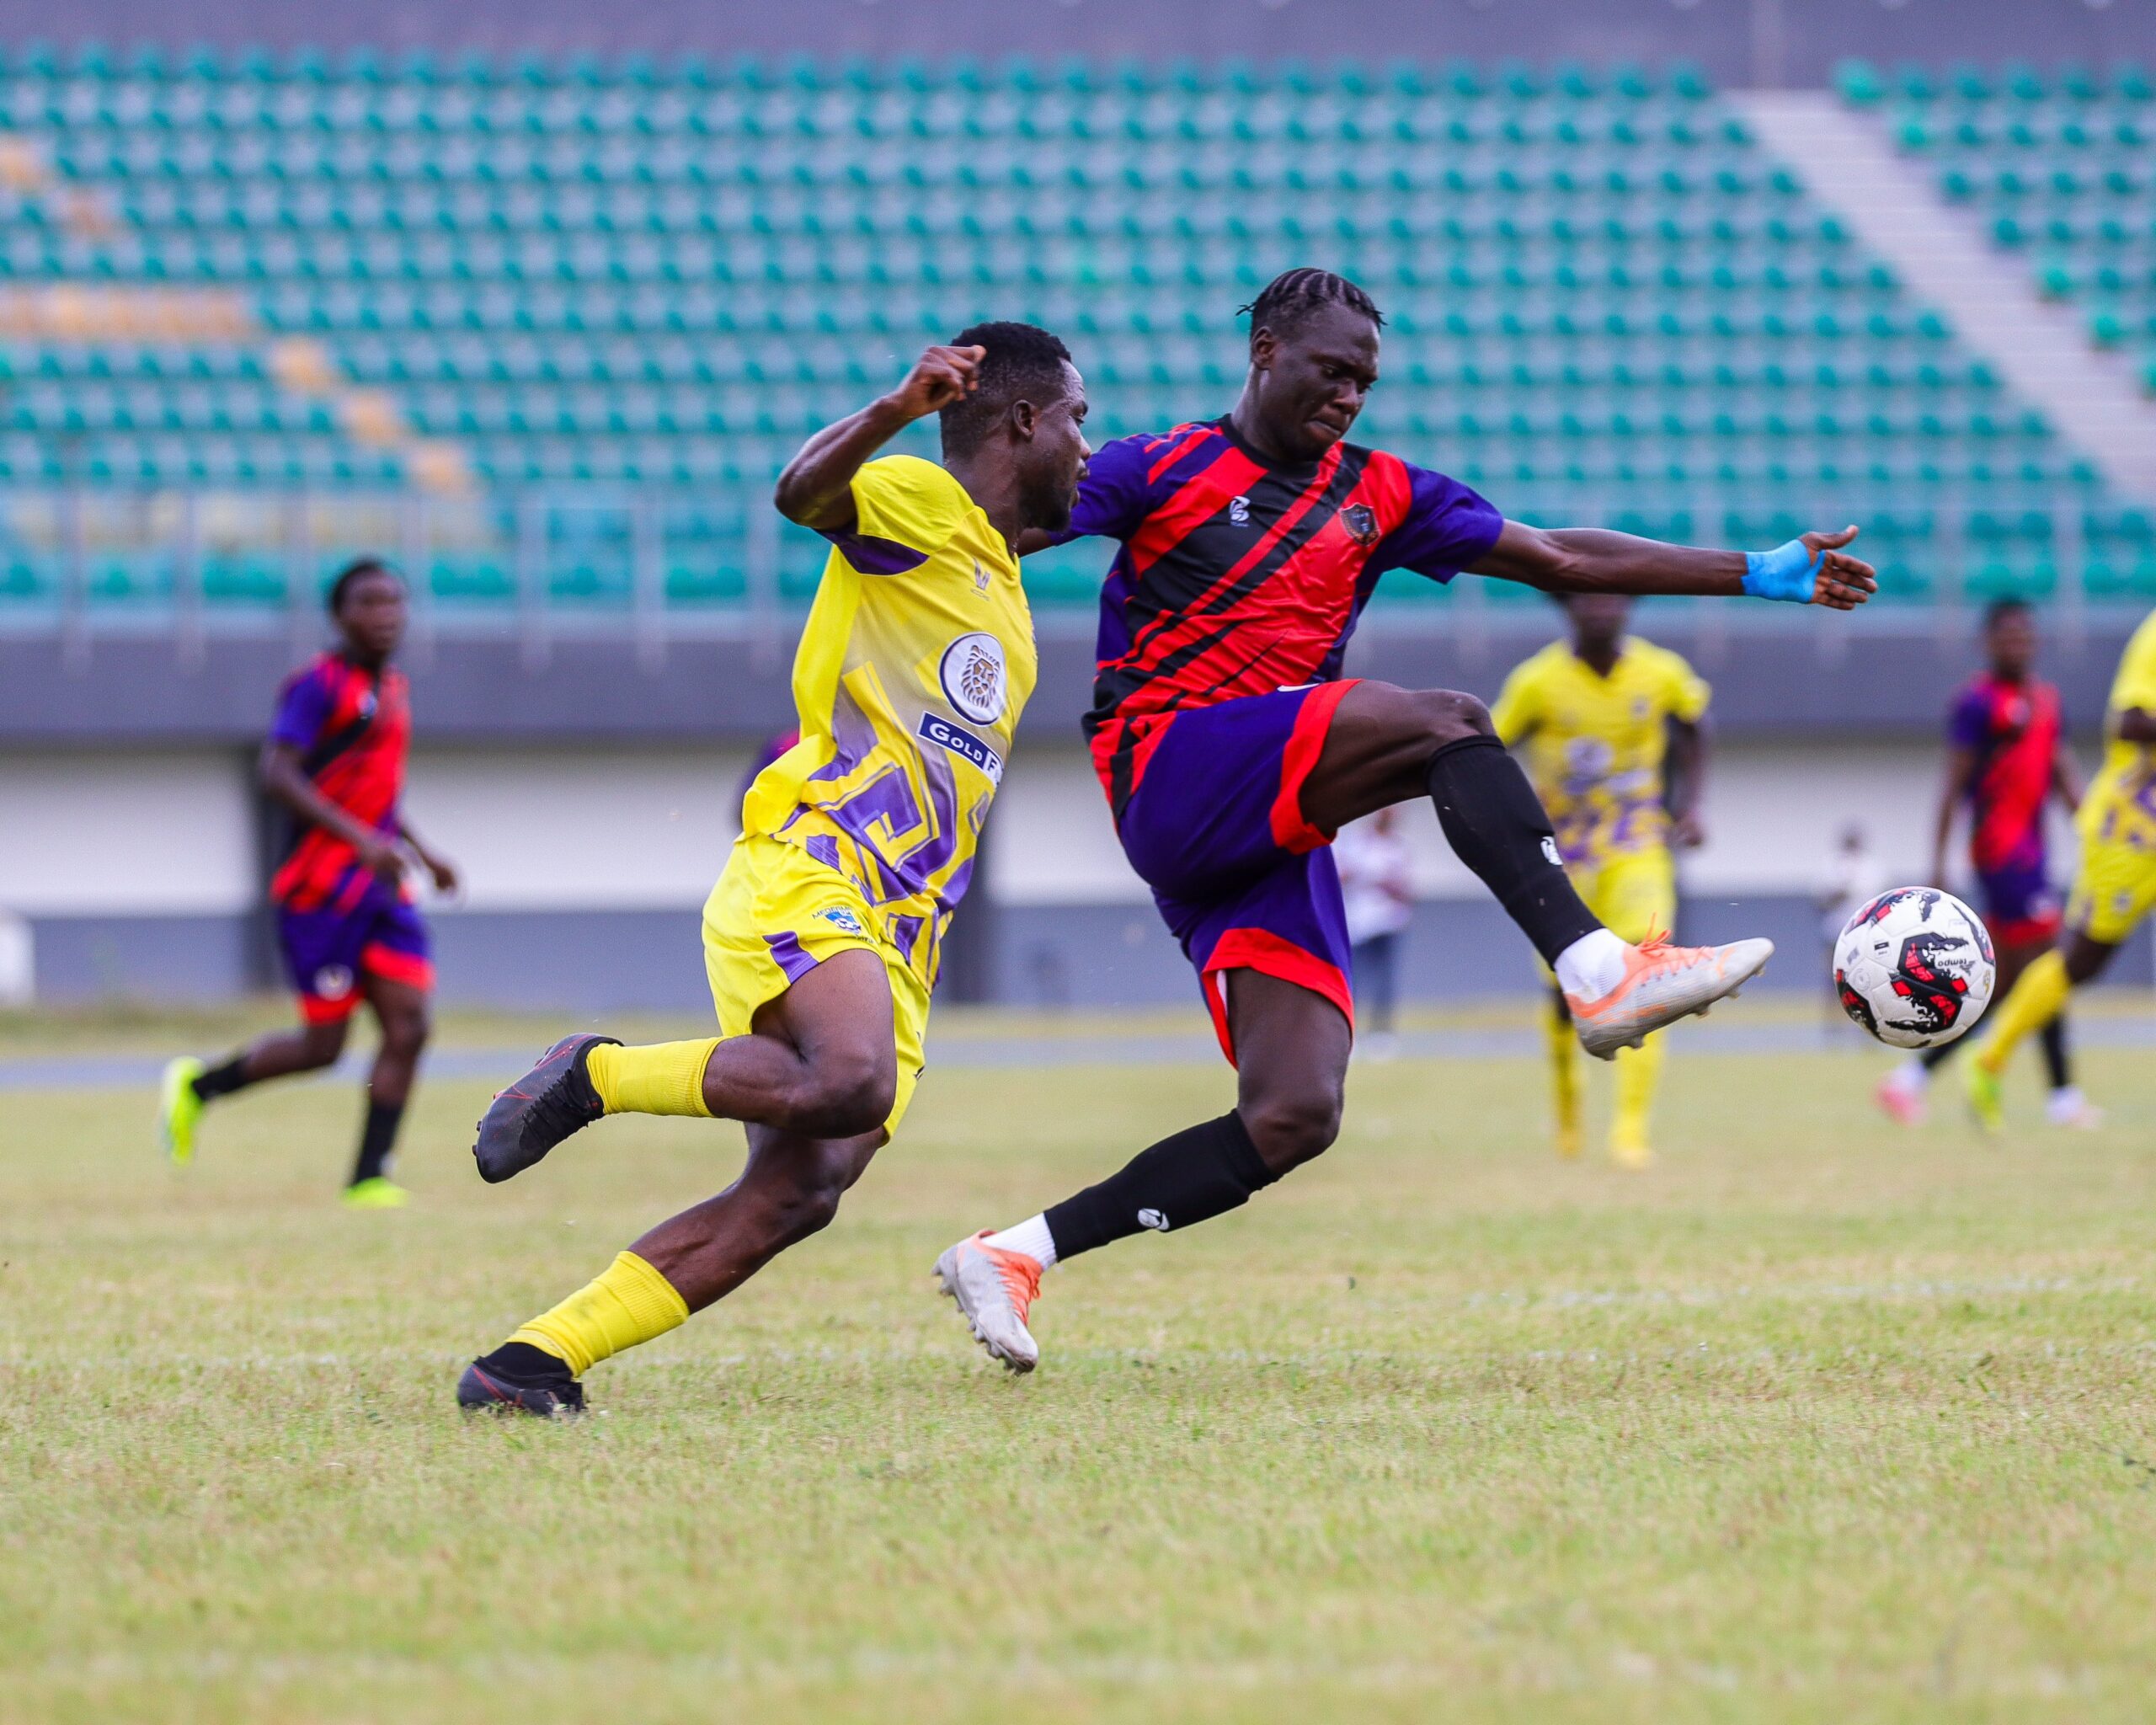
x=323 y=1044
x=1450 y=716
x=1291 y=1128
x=847 y=1094
x=406 y=1032
x=807 y=1203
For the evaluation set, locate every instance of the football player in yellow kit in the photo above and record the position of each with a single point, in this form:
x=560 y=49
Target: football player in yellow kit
x=1612 y=726
x=821 y=937
x=2115 y=885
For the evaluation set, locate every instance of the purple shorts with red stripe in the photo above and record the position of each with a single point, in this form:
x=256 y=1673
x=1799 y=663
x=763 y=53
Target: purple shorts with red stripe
x=327 y=951
x=1216 y=828
x=2019 y=906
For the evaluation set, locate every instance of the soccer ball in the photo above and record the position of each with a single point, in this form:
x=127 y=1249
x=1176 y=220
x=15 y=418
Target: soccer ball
x=1915 y=967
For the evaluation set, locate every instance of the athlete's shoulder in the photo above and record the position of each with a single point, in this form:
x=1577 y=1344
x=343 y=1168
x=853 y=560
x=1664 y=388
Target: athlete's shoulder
x=1542 y=666
x=905 y=510
x=2137 y=679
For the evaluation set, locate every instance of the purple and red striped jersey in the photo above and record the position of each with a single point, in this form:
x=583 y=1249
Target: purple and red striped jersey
x=1238 y=577
x=2012 y=729
x=352 y=729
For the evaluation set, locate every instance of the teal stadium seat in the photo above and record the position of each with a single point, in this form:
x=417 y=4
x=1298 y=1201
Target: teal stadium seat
x=1604 y=300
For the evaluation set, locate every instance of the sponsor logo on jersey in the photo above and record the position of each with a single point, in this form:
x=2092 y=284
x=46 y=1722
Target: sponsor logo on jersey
x=1549 y=853
x=1238 y=511
x=333 y=982
x=980 y=577
x=840 y=917
x=1361 y=521
x=973 y=677
x=1152 y=1219
x=962 y=742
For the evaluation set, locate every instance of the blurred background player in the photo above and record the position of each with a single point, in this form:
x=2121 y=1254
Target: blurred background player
x=1377 y=897
x=822 y=937
x=2114 y=884
x=346 y=923
x=2007 y=758
x=1614 y=729
x=1855 y=875
x=1232 y=750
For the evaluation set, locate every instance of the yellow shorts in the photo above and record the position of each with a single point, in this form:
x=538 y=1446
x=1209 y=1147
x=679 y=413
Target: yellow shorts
x=777 y=913
x=2113 y=889
x=1634 y=893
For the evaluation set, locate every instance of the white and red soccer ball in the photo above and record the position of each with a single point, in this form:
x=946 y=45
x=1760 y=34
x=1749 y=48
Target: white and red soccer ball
x=1915 y=967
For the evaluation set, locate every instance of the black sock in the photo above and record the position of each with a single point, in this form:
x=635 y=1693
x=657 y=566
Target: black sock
x=1932 y=1058
x=2056 y=1063
x=1175 y=1183
x=223 y=1080
x=1496 y=825
x=522 y=1361
x=377 y=1140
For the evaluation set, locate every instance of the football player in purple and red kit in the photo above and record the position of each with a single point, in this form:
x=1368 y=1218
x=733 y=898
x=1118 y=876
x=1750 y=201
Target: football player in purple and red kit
x=1232 y=749
x=2006 y=758
x=345 y=920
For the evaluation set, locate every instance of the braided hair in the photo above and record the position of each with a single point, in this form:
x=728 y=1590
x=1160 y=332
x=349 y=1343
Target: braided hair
x=1293 y=296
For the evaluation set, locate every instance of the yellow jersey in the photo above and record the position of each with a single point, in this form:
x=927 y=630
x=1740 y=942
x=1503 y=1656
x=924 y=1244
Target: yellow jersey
x=1595 y=744
x=916 y=660
x=2120 y=806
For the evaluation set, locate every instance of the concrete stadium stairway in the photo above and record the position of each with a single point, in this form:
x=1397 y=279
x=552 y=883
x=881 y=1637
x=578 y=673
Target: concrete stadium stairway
x=1849 y=165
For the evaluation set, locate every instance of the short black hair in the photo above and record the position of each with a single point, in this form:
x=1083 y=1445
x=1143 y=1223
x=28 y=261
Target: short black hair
x=351 y=575
x=2000 y=610
x=1291 y=297
x=1022 y=362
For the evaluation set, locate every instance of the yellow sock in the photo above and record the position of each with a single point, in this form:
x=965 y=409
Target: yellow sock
x=664 y=1078
x=1639 y=1070
x=1564 y=1079
x=2033 y=1002
x=631 y=1303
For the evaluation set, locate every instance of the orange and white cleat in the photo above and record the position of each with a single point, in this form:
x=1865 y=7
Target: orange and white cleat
x=994 y=1289
x=1662 y=984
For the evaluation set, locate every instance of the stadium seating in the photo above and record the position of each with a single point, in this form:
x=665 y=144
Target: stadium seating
x=580 y=311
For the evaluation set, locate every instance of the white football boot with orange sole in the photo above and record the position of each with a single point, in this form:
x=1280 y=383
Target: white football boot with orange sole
x=994 y=1289
x=1661 y=984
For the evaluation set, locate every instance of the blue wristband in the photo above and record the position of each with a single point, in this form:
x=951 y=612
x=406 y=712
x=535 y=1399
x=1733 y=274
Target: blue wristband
x=1787 y=572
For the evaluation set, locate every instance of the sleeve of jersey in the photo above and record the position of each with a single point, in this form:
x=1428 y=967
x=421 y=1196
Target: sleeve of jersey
x=302 y=710
x=1117 y=493
x=1688 y=693
x=903 y=508
x=2136 y=681
x=1967 y=720
x=1514 y=714
x=1447 y=528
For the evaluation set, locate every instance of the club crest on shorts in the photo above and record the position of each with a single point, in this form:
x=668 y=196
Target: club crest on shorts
x=333 y=982
x=1361 y=521
x=840 y=917
x=1153 y=1219
x=972 y=677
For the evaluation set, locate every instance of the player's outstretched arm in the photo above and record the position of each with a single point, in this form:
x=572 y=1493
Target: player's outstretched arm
x=284 y=777
x=1812 y=570
x=1960 y=773
x=816 y=489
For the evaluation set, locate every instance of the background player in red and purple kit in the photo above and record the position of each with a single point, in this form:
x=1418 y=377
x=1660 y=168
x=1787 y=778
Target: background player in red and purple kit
x=1232 y=750
x=2006 y=758
x=345 y=920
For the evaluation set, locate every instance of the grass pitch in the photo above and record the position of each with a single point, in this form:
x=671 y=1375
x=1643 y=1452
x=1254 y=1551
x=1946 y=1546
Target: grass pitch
x=1817 y=1421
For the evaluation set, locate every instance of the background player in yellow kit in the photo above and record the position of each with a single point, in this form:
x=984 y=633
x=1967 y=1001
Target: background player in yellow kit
x=821 y=937
x=1612 y=729
x=2114 y=886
